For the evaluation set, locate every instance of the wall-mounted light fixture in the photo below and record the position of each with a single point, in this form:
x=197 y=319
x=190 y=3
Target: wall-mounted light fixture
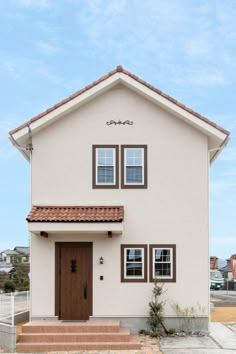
x=101 y=260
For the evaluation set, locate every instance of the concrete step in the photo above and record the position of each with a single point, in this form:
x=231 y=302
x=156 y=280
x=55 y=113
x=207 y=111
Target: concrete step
x=122 y=336
x=132 y=344
x=107 y=326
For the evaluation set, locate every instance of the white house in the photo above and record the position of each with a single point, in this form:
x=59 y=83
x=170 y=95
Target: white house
x=120 y=196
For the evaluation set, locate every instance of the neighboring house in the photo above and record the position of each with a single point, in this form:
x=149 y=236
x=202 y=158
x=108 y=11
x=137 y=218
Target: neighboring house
x=24 y=253
x=120 y=182
x=229 y=271
x=15 y=256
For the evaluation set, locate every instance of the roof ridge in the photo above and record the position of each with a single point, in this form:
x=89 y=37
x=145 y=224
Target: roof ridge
x=118 y=69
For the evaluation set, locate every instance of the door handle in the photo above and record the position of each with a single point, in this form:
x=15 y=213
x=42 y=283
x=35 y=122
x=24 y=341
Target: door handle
x=85 y=291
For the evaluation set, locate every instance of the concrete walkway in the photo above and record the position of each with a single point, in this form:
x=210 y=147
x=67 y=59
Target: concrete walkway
x=222 y=340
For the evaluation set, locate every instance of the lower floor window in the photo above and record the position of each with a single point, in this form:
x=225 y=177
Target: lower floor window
x=133 y=263
x=163 y=263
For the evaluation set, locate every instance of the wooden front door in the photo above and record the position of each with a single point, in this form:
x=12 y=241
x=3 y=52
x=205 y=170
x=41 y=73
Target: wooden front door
x=73 y=280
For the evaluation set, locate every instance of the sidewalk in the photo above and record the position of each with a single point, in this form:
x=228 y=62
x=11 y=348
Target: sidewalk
x=222 y=340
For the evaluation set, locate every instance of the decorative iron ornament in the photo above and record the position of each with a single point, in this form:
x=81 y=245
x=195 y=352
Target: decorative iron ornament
x=119 y=122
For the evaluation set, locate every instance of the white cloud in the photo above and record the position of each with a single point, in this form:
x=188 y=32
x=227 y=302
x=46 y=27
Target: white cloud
x=222 y=185
x=48 y=75
x=41 y=4
x=221 y=239
x=8 y=65
x=229 y=154
x=199 y=47
x=47 y=47
x=6 y=150
x=223 y=246
x=199 y=77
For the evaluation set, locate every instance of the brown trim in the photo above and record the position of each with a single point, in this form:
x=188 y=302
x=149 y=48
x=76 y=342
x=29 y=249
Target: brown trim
x=105 y=186
x=119 y=68
x=58 y=246
x=133 y=186
x=122 y=248
x=160 y=280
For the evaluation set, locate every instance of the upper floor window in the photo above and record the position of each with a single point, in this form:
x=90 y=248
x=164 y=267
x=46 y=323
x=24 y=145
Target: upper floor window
x=163 y=263
x=105 y=166
x=134 y=166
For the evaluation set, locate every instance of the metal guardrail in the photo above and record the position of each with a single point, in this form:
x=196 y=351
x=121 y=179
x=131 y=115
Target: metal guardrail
x=12 y=304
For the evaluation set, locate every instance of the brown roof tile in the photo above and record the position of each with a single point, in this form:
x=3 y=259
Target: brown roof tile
x=76 y=214
x=119 y=68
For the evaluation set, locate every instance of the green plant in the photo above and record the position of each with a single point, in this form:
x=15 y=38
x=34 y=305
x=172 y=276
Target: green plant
x=9 y=286
x=155 y=334
x=190 y=318
x=156 y=309
x=144 y=332
x=171 y=331
x=20 y=276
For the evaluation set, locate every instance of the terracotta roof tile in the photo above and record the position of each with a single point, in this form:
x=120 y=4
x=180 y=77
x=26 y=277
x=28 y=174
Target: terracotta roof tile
x=119 y=68
x=76 y=214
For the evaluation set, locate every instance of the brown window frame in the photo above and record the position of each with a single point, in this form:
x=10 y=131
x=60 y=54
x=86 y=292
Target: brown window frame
x=134 y=186
x=162 y=280
x=133 y=280
x=105 y=186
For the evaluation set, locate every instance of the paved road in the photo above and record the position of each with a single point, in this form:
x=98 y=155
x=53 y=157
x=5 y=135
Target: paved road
x=222 y=340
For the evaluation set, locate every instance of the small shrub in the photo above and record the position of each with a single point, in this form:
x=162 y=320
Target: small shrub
x=156 y=309
x=9 y=287
x=144 y=332
x=171 y=331
x=156 y=334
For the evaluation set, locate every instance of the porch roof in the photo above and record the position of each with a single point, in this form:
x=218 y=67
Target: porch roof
x=76 y=214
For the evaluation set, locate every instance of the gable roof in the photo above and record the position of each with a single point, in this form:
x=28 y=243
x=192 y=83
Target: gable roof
x=19 y=135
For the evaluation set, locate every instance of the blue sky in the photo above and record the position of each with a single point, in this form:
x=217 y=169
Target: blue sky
x=50 y=49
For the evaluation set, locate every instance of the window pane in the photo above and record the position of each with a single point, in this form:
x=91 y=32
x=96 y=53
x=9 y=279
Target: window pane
x=134 y=255
x=134 y=174
x=129 y=161
x=134 y=269
x=138 y=161
x=162 y=269
x=109 y=161
x=129 y=153
x=100 y=152
x=109 y=152
x=138 y=153
x=101 y=160
x=105 y=174
x=134 y=161
x=162 y=255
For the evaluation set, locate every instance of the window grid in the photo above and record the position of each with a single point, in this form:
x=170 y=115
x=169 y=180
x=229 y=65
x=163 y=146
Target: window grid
x=130 y=262
x=105 y=166
x=134 y=166
x=133 y=263
x=164 y=264
x=134 y=174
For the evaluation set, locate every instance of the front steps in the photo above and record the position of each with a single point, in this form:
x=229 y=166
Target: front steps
x=46 y=336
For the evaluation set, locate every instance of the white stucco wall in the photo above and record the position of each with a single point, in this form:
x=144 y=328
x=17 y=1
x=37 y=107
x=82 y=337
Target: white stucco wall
x=174 y=208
